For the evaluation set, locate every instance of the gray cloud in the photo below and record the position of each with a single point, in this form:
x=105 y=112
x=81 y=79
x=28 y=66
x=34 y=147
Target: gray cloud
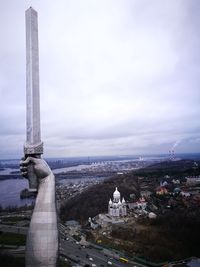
x=116 y=77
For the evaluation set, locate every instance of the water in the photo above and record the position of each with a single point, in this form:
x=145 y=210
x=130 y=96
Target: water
x=10 y=193
x=8 y=171
x=80 y=180
x=73 y=168
x=10 y=189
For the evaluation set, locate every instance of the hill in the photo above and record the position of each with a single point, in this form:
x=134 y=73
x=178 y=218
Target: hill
x=174 y=235
x=95 y=199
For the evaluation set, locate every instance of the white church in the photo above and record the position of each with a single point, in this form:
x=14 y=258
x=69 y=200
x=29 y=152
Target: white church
x=117 y=208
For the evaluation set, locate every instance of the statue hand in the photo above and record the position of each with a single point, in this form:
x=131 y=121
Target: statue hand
x=41 y=168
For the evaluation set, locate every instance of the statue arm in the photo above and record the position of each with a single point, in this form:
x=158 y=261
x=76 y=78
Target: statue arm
x=42 y=238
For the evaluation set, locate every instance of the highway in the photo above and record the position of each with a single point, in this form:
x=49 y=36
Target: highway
x=82 y=255
x=70 y=249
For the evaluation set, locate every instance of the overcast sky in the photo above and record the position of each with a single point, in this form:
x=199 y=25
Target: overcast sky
x=116 y=77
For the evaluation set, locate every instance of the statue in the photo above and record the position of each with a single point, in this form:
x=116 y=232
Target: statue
x=42 y=237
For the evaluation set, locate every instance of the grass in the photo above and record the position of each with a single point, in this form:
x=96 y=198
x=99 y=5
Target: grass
x=14 y=219
x=64 y=264
x=12 y=239
x=10 y=261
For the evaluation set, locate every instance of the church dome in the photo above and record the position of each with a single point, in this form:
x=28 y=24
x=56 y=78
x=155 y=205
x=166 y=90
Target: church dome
x=116 y=194
x=110 y=202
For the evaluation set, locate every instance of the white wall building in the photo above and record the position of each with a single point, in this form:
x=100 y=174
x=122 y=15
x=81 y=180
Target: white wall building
x=117 y=208
x=193 y=180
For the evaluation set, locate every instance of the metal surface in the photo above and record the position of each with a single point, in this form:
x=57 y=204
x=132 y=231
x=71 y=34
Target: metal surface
x=32 y=79
x=33 y=145
x=42 y=237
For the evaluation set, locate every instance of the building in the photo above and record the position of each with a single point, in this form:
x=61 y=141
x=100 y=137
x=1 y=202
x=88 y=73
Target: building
x=145 y=194
x=193 y=180
x=117 y=208
x=140 y=204
x=161 y=191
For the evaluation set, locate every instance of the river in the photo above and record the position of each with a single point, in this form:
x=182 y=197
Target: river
x=10 y=193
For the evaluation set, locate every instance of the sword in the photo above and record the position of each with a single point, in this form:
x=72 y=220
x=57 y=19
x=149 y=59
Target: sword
x=33 y=146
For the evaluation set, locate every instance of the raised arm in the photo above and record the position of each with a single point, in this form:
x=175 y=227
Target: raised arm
x=42 y=238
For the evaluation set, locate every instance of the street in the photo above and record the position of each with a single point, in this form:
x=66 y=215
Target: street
x=70 y=249
x=88 y=255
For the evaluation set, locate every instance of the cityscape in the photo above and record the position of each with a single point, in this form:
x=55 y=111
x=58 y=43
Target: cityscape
x=99 y=133
x=100 y=236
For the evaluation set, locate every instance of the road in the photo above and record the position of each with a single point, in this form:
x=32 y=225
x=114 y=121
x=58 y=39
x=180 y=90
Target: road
x=81 y=255
x=76 y=253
